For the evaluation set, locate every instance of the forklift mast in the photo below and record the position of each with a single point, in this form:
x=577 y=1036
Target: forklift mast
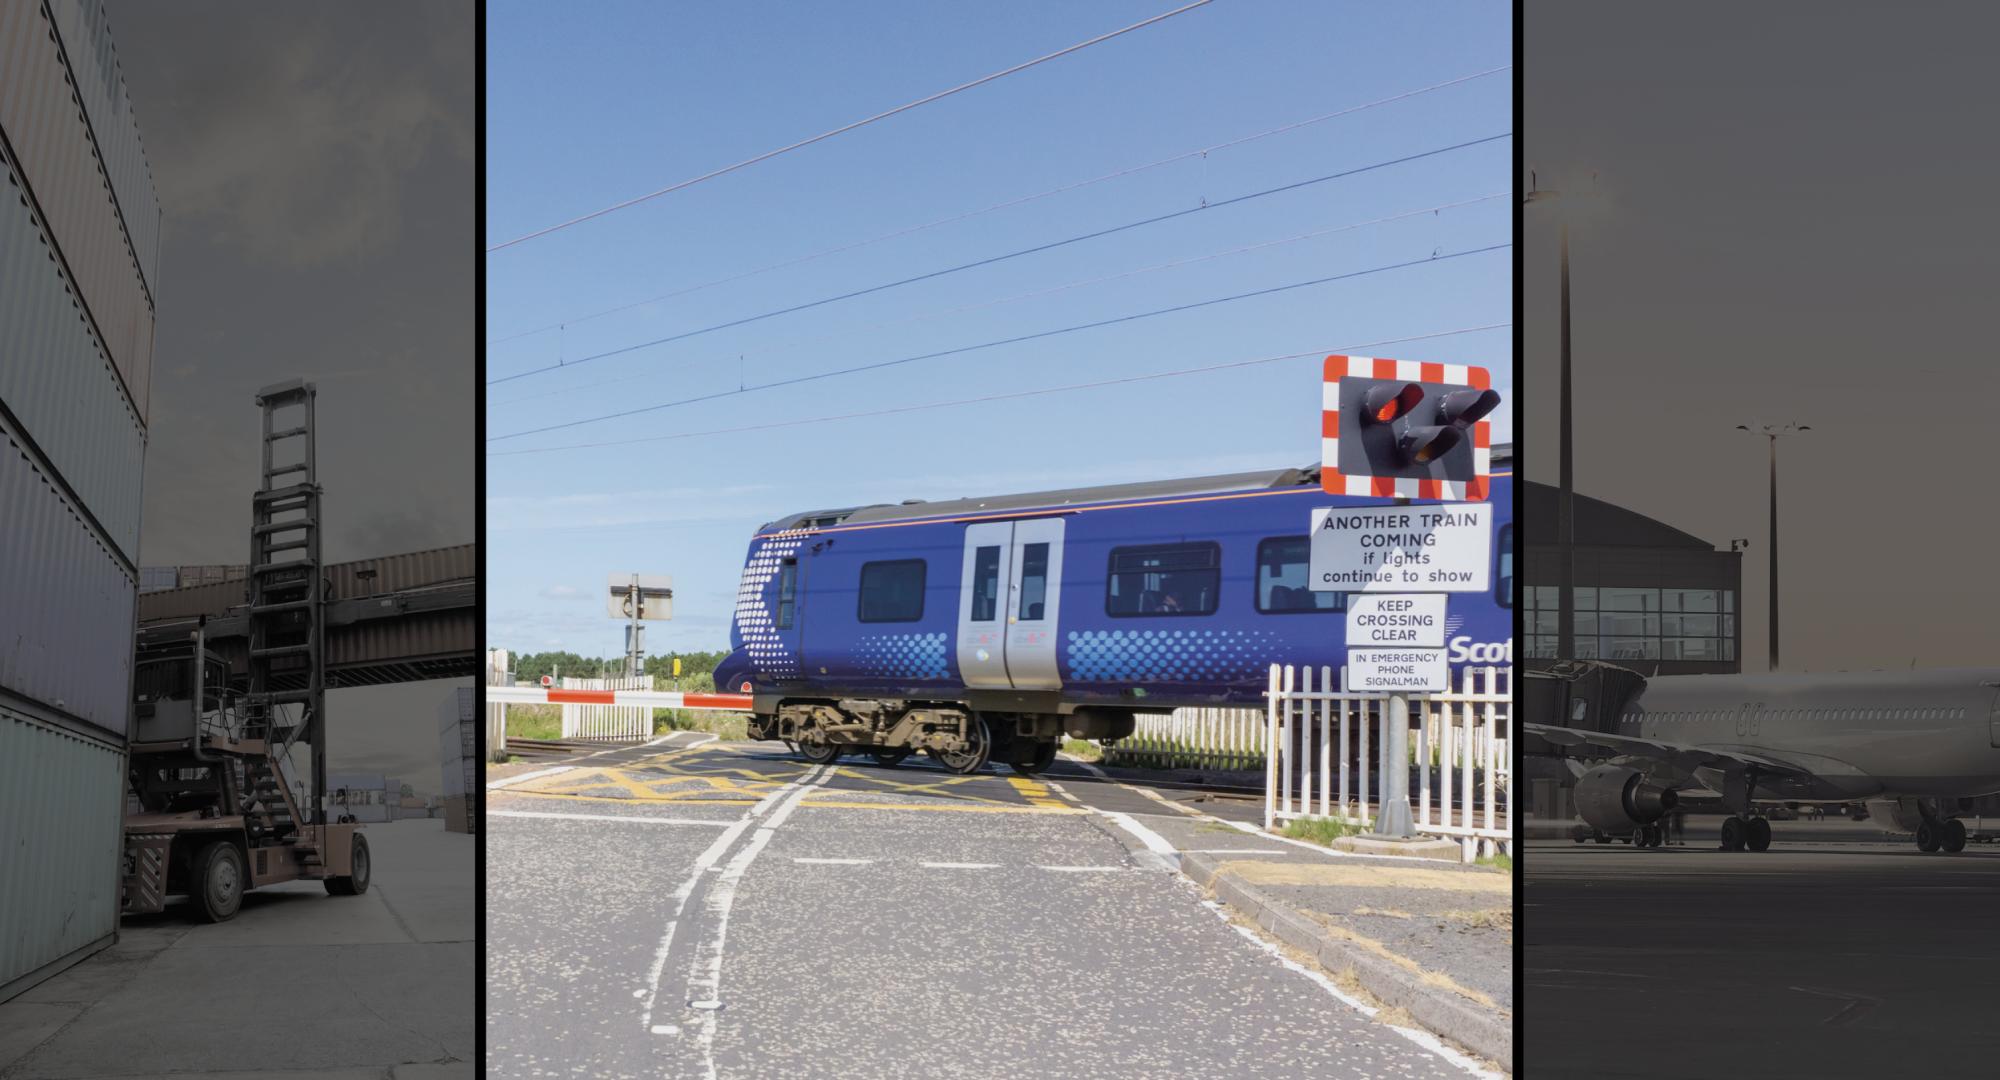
x=287 y=633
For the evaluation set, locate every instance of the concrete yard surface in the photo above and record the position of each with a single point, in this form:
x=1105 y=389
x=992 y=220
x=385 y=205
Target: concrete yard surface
x=1815 y=958
x=299 y=983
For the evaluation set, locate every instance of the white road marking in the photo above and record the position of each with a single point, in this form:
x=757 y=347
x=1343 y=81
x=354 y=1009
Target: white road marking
x=1163 y=854
x=705 y=979
x=960 y=865
x=702 y=863
x=833 y=862
x=1083 y=869
x=1228 y=851
x=495 y=785
x=604 y=817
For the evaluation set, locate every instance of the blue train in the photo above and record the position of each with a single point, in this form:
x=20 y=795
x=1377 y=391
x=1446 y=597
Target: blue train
x=987 y=629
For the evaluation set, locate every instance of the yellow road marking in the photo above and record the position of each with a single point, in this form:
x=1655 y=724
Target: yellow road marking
x=628 y=799
x=999 y=808
x=1033 y=791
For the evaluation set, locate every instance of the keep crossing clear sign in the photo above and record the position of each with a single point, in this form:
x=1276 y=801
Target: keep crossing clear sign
x=1443 y=547
x=1410 y=620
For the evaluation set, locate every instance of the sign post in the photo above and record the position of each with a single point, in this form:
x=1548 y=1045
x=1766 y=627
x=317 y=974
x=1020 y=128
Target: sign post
x=1401 y=429
x=637 y=598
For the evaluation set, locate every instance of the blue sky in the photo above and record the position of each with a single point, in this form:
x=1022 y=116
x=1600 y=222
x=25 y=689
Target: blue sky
x=588 y=105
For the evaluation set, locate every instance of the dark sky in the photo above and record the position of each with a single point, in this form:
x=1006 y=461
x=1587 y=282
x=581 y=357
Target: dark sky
x=315 y=167
x=1793 y=219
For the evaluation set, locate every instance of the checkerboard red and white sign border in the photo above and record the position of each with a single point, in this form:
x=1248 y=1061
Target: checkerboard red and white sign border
x=1333 y=482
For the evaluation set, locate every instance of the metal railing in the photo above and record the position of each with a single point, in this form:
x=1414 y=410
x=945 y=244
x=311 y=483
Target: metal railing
x=1326 y=748
x=608 y=722
x=1199 y=738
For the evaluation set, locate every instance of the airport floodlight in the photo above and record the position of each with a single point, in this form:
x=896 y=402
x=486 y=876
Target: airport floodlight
x=1405 y=429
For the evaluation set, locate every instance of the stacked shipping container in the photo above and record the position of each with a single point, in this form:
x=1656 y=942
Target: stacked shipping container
x=79 y=243
x=458 y=745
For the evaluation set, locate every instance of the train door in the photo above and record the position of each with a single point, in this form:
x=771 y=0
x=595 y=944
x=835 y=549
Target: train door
x=982 y=602
x=1031 y=630
x=1007 y=607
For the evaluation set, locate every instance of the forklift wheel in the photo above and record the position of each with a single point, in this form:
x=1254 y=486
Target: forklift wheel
x=356 y=882
x=218 y=880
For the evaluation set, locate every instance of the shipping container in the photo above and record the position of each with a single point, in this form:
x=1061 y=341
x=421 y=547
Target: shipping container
x=458 y=741
x=79 y=238
x=62 y=829
x=66 y=598
x=57 y=381
x=68 y=185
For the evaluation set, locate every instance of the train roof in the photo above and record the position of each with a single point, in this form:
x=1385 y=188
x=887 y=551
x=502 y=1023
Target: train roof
x=918 y=509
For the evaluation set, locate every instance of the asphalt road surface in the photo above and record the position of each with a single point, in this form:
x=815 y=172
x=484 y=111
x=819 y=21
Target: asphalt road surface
x=732 y=911
x=1819 y=958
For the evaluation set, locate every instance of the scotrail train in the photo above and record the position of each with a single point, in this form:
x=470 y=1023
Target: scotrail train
x=987 y=629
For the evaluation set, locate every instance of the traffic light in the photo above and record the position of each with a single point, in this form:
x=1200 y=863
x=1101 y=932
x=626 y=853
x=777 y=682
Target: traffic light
x=1399 y=428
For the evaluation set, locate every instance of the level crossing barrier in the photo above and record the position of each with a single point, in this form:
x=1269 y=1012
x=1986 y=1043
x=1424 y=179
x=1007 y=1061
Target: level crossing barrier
x=1195 y=738
x=607 y=723
x=1323 y=743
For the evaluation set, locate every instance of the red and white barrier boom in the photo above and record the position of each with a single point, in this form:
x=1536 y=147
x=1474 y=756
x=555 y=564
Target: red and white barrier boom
x=650 y=699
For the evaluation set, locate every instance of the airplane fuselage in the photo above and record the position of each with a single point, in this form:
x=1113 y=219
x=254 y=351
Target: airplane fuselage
x=1931 y=734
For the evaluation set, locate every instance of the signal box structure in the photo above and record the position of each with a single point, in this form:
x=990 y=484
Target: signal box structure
x=1406 y=429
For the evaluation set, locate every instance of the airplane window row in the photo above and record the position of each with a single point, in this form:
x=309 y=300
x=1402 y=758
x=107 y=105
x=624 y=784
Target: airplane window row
x=1807 y=715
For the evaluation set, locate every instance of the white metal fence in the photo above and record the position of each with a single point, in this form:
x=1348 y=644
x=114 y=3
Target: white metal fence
x=1323 y=743
x=497 y=674
x=1193 y=739
x=607 y=722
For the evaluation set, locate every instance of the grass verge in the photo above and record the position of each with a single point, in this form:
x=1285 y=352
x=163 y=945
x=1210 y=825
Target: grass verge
x=1083 y=751
x=1319 y=830
x=1502 y=863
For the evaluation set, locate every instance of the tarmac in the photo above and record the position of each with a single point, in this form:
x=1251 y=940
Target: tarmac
x=1838 y=952
x=299 y=984
x=730 y=910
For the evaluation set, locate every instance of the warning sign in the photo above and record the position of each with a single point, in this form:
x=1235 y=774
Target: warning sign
x=1396 y=670
x=1410 y=620
x=1443 y=547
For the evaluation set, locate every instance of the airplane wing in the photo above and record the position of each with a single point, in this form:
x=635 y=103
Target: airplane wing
x=1678 y=755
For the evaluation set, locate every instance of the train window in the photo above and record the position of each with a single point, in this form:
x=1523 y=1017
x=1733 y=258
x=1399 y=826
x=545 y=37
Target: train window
x=986 y=584
x=892 y=591
x=1504 y=591
x=1034 y=581
x=1282 y=586
x=788 y=586
x=1168 y=579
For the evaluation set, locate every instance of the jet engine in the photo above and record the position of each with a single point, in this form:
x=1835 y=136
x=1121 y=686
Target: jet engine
x=1615 y=799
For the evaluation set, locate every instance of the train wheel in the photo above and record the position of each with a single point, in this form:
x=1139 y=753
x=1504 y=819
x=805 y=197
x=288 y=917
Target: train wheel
x=890 y=757
x=1043 y=756
x=973 y=756
x=819 y=753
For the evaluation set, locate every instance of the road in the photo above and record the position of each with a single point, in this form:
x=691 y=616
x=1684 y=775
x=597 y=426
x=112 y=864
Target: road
x=732 y=911
x=298 y=984
x=1828 y=955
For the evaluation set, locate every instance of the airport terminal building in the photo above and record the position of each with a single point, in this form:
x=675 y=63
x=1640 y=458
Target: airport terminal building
x=1648 y=596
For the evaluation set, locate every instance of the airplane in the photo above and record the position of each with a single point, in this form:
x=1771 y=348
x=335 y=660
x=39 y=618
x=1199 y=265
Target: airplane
x=1919 y=740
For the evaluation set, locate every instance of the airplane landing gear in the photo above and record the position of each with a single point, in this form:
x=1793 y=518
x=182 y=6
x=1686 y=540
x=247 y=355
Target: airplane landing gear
x=1940 y=833
x=1741 y=834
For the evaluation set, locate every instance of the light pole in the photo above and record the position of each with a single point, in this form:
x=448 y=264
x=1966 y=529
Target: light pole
x=1566 y=486
x=1772 y=433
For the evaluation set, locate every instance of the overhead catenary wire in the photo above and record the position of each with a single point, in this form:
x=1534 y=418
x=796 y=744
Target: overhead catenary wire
x=769 y=154
x=880 y=364
x=990 y=260
x=1039 y=293
x=984 y=398
x=1005 y=204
